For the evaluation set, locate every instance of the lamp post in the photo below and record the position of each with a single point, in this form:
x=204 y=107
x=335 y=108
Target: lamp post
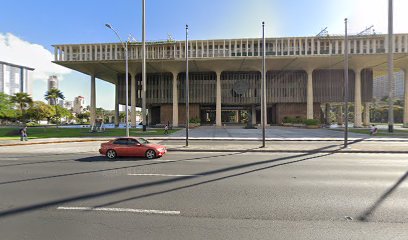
x=346 y=49
x=187 y=90
x=390 y=69
x=125 y=46
x=144 y=83
x=263 y=87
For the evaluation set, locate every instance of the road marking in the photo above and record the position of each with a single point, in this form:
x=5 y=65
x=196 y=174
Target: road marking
x=180 y=160
x=9 y=159
x=162 y=175
x=131 y=210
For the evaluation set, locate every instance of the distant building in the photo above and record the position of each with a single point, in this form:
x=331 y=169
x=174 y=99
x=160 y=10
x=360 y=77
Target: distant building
x=79 y=103
x=52 y=83
x=14 y=78
x=380 y=85
x=66 y=104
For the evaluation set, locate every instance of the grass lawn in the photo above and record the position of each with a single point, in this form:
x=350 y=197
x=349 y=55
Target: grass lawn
x=41 y=132
x=381 y=132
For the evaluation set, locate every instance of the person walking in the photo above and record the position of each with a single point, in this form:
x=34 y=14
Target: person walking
x=166 y=129
x=23 y=134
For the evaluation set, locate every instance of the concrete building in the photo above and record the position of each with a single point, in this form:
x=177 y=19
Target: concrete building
x=52 y=83
x=79 y=103
x=302 y=74
x=15 y=78
x=381 y=86
x=66 y=104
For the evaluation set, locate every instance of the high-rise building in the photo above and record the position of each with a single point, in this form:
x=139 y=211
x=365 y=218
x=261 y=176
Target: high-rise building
x=14 y=78
x=79 y=103
x=380 y=86
x=52 y=83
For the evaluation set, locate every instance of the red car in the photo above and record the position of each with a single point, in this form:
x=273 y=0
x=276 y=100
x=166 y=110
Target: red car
x=135 y=147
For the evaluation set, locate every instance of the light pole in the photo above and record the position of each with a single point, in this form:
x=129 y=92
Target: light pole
x=346 y=49
x=263 y=103
x=390 y=69
x=144 y=65
x=187 y=90
x=125 y=46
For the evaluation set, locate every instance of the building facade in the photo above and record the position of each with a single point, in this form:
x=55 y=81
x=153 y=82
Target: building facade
x=14 y=78
x=52 y=83
x=302 y=74
x=78 y=105
x=381 y=86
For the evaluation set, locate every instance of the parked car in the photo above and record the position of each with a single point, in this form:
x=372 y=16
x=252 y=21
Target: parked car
x=131 y=147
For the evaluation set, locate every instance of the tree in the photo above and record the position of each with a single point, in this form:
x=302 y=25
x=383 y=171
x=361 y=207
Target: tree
x=40 y=110
x=6 y=107
x=23 y=100
x=83 y=116
x=54 y=94
x=63 y=112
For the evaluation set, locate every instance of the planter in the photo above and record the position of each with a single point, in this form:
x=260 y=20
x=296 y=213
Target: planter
x=194 y=125
x=312 y=126
x=287 y=124
x=299 y=125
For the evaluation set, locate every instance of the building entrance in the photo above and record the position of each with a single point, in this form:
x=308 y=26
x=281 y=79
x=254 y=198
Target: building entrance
x=228 y=116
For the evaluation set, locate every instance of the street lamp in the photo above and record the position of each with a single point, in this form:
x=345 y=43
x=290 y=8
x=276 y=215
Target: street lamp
x=125 y=46
x=346 y=86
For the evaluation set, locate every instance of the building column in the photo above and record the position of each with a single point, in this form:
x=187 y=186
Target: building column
x=253 y=115
x=175 y=100
x=93 y=101
x=327 y=114
x=366 y=115
x=357 y=99
x=309 y=114
x=340 y=115
x=218 y=101
x=117 y=120
x=133 y=100
x=405 y=98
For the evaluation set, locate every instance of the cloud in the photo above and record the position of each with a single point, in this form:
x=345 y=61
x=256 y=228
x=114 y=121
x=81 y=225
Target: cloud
x=18 y=51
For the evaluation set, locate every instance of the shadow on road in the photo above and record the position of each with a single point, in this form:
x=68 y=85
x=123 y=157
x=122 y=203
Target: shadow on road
x=304 y=157
x=364 y=217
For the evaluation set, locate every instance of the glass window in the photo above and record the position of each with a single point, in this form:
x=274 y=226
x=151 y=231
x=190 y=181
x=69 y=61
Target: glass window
x=121 y=141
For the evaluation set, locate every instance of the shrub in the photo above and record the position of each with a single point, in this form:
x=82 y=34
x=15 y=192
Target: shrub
x=309 y=122
x=195 y=120
x=287 y=119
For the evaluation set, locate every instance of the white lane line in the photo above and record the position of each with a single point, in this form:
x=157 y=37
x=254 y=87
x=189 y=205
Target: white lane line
x=9 y=159
x=162 y=175
x=131 y=210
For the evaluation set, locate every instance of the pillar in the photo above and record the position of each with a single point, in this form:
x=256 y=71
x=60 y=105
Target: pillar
x=253 y=115
x=117 y=105
x=327 y=114
x=175 y=100
x=405 y=98
x=357 y=99
x=93 y=100
x=133 y=100
x=309 y=114
x=218 y=101
x=340 y=115
x=366 y=115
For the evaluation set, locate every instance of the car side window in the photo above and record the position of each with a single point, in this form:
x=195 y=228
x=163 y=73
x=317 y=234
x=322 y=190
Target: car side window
x=120 y=142
x=132 y=142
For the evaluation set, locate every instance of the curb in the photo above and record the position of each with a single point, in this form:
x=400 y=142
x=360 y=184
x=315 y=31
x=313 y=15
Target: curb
x=285 y=151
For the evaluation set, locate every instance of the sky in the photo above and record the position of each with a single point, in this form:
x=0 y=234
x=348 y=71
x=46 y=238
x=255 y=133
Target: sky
x=30 y=28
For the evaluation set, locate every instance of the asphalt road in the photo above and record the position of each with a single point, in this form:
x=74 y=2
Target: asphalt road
x=68 y=191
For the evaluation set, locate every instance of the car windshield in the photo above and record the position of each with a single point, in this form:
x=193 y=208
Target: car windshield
x=142 y=141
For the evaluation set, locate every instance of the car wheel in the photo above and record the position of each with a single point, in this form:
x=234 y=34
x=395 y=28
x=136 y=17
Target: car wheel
x=150 y=154
x=111 y=154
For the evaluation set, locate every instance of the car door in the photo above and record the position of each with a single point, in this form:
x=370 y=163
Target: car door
x=121 y=146
x=135 y=148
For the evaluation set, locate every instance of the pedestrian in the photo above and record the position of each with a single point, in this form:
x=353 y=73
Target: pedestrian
x=166 y=129
x=23 y=134
x=373 y=130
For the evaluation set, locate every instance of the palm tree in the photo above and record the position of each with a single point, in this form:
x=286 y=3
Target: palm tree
x=54 y=94
x=23 y=100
